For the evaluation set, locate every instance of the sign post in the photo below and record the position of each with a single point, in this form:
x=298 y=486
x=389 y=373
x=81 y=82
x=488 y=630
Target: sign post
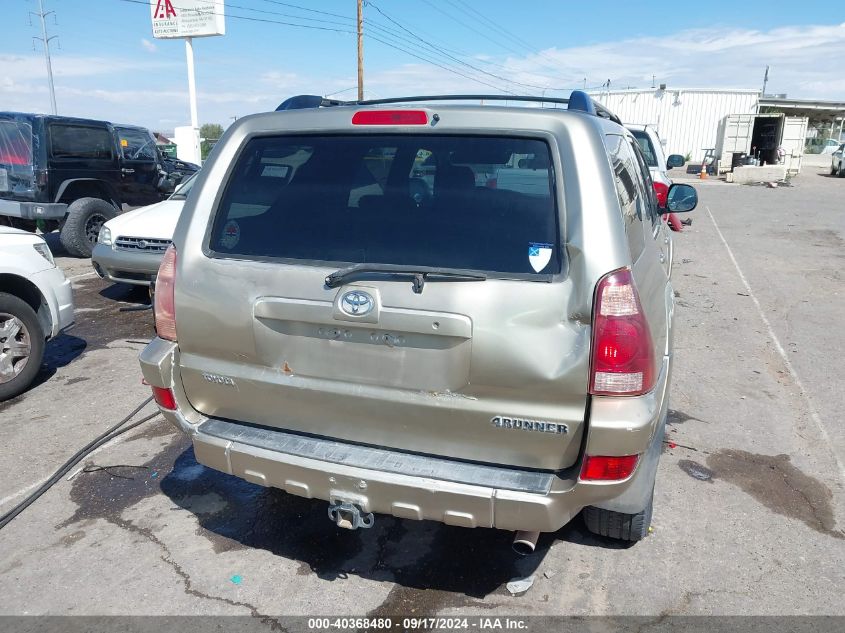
x=192 y=18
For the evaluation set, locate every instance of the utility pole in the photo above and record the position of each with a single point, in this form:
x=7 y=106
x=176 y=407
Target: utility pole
x=360 y=50
x=46 y=42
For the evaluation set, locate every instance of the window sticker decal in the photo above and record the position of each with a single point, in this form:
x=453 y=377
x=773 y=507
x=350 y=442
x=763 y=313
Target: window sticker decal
x=539 y=255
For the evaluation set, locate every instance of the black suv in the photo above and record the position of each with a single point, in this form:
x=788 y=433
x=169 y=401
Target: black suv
x=75 y=174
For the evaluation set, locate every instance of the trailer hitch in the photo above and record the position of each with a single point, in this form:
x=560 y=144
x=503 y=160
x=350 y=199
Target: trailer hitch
x=349 y=516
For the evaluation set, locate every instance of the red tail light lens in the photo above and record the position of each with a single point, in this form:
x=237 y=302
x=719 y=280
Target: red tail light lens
x=661 y=190
x=165 y=309
x=164 y=398
x=390 y=117
x=600 y=468
x=623 y=354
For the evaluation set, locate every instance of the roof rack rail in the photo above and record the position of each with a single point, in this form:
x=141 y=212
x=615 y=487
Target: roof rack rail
x=578 y=100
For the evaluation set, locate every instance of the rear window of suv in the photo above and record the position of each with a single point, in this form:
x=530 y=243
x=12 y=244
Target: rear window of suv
x=15 y=143
x=644 y=142
x=391 y=199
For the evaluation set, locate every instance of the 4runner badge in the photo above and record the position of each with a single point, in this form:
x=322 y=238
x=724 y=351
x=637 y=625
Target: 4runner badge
x=538 y=426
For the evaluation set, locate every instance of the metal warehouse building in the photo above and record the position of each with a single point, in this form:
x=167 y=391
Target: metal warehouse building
x=686 y=120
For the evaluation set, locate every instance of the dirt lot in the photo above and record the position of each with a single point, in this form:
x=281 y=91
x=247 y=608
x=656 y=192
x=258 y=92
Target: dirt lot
x=750 y=506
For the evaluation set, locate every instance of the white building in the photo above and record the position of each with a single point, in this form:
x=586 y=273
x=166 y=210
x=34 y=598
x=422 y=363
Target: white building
x=686 y=120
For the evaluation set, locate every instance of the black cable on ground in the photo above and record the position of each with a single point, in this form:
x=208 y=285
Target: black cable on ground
x=76 y=458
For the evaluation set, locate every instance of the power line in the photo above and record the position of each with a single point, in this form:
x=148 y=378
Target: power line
x=453 y=58
x=471 y=28
x=475 y=14
x=417 y=55
x=553 y=64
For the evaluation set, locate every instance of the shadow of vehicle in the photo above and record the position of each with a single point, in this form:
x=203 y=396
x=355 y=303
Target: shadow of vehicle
x=126 y=293
x=58 y=352
x=413 y=554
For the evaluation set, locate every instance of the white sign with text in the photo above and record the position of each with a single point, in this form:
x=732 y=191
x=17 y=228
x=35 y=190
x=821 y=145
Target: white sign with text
x=187 y=18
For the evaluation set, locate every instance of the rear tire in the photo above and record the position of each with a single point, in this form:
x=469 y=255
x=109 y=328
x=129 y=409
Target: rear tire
x=82 y=225
x=842 y=170
x=618 y=525
x=21 y=345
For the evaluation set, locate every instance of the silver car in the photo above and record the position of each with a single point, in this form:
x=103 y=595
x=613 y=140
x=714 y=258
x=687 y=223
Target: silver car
x=448 y=348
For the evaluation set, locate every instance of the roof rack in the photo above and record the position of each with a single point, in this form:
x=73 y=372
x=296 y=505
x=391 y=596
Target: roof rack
x=578 y=100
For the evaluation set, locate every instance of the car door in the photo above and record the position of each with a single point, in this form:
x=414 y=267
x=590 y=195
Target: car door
x=80 y=150
x=139 y=166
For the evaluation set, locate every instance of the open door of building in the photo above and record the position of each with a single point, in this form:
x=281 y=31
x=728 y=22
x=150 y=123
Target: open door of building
x=792 y=141
x=736 y=137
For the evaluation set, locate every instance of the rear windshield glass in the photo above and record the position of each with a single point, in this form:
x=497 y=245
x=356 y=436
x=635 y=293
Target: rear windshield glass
x=15 y=143
x=477 y=203
x=648 y=149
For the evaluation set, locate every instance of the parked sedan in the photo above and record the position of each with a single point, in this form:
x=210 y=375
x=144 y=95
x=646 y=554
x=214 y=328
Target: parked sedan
x=131 y=245
x=36 y=303
x=837 y=162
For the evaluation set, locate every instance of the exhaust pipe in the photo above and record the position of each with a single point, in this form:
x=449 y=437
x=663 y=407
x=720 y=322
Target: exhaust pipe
x=524 y=543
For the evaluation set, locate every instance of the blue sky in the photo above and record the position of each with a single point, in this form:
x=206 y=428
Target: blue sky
x=109 y=66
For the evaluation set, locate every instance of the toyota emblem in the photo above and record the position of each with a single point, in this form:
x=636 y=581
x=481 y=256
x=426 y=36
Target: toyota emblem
x=357 y=303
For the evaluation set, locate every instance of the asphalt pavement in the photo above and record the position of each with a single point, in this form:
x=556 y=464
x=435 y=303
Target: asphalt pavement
x=749 y=509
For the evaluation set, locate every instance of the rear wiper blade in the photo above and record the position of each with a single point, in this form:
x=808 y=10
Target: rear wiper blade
x=419 y=274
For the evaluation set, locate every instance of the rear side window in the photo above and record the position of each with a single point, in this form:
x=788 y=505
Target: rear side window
x=644 y=141
x=629 y=192
x=15 y=143
x=391 y=199
x=649 y=197
x=79 y=141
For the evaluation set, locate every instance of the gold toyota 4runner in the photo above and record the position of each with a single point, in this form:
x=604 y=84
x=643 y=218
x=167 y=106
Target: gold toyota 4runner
x=428 y=309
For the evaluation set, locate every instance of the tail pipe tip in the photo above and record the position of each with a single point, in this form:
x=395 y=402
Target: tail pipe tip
x=524 y=543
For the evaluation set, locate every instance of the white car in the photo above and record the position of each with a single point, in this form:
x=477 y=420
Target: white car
x=36 y=303
x=652 y=147
x=130 y=246
x=837 y=162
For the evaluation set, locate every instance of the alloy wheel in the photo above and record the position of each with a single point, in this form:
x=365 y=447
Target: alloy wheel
x=93 y=225
x=15 y=346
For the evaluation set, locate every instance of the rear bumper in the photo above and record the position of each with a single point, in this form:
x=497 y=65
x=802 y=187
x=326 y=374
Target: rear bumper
x=33 y=210
x=125 y=266
x=405 y=485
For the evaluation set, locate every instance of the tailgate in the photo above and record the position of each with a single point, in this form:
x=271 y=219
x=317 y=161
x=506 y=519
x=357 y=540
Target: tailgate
x=492 y=371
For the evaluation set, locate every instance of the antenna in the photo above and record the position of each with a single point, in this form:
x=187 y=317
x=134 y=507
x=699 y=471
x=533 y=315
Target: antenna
x=45 y=41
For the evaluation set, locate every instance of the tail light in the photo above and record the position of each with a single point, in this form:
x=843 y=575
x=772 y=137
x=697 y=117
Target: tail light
x=164 y=398
x=601 y=468
x=623 y=354
x=390 y=117
x=164 y=302
x=661 y=190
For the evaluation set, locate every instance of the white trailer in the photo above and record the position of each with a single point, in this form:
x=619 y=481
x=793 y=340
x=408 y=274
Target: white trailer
x=759 y=136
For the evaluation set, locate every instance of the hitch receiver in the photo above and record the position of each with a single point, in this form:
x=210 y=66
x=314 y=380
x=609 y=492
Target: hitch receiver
x=349 y=516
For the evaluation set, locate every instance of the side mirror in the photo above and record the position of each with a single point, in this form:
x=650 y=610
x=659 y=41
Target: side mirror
x=675 y=160
x=682 y=198
x=167 y=184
